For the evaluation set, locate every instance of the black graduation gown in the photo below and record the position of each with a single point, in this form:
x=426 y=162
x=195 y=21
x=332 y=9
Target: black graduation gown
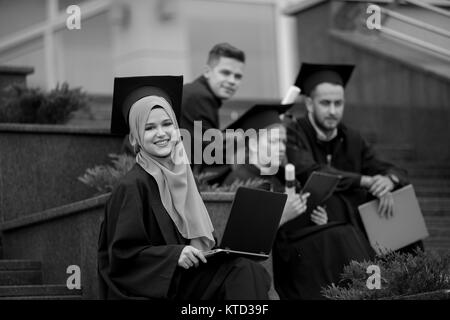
x=200 y=104
x=308 y=257
x=139 y=247
x=347 y=155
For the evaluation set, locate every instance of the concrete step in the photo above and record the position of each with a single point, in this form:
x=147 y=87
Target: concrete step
x=435 y=212
x=11 y=265
x=440 y=250
x=440 y=245
x=432 y=192
x=20 y=277
x=438 y=221
x=435 y=203
x=439 y=227
x=20 y=272
x=38 y=292
x=43 y=298
x=439 y=232
x=435 y=206
x=438 y=172
x=432 y=182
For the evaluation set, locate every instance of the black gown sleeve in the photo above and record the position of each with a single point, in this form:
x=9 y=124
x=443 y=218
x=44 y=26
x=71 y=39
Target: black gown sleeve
x=200 y=108
x=372 y=165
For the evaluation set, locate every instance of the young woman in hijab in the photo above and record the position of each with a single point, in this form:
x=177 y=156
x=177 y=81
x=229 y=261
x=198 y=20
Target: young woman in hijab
x=156 y=224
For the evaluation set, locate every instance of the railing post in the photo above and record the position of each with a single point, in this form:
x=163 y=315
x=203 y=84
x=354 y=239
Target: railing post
x=49 y=44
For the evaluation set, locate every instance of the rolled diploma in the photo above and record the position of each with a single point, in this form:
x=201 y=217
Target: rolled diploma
x=291 y=95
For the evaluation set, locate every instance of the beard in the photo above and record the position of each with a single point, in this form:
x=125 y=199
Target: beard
x=321 y=124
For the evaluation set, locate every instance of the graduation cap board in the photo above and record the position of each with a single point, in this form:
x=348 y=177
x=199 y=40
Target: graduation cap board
x=405 y=227
x=310 y=75
x=128 y=90
x=252 y=225
x=260 y=116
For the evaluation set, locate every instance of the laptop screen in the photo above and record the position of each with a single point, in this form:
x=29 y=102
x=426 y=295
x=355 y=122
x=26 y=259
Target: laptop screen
x=253 y=221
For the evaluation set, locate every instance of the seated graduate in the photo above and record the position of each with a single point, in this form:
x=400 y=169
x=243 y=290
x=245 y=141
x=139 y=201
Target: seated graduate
x=306 y=256
x=156 y=225
x=262 y=127
x=321 y=141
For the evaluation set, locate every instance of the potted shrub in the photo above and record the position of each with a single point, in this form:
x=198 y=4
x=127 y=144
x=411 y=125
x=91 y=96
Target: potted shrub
x=423 y=276
x=32 y=105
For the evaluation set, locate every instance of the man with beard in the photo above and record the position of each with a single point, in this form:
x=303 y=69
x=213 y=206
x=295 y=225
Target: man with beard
x=321 y=142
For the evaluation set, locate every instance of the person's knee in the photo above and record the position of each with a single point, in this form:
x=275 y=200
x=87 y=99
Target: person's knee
x=252 y=268
x=245 y=263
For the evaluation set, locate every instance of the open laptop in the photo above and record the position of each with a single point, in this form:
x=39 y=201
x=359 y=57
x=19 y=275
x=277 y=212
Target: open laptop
x=405 y=227
x=252 y=225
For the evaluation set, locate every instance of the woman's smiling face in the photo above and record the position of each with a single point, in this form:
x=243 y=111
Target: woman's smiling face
x=159 y=135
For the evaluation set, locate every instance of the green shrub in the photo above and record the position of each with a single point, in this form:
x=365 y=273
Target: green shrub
x=32 y=105
x=21 y=104
x=105 y=177
x=401 y=275
x=250 y=183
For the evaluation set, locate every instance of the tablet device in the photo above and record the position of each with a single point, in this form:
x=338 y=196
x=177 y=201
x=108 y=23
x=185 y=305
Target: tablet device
x=320 y=186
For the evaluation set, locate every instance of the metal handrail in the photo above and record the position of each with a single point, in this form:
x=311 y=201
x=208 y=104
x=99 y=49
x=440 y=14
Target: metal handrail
x=88 y=10
x=415 y=22
x=415 y=41
x=429 y=7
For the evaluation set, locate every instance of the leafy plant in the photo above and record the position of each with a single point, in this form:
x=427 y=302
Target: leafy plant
x=401 y=275
x=105 y=177
x=250 y=183
x=32 y=105
x=21 y=104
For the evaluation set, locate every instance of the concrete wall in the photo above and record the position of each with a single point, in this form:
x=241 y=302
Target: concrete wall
x=68 y=235
x=40 y=164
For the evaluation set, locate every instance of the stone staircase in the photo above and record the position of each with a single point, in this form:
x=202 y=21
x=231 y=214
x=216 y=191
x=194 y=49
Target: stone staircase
x=22 y=280
x=432 y=185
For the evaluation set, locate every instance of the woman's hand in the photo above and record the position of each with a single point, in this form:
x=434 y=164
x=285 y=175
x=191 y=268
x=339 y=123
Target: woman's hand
x=295 y=206
x=319 y=216
x=190 y=257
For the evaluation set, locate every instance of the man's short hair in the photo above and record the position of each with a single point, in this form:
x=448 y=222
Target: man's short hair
x=225 y=50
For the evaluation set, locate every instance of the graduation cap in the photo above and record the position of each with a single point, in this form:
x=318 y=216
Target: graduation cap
x=128 y=90
x=311 y=75
x=260 y=116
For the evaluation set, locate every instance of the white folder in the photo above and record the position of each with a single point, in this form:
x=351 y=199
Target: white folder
x=405 y=227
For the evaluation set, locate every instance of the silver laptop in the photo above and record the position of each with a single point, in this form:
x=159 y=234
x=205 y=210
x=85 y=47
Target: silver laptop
x=252 y=225
x=405 y=227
